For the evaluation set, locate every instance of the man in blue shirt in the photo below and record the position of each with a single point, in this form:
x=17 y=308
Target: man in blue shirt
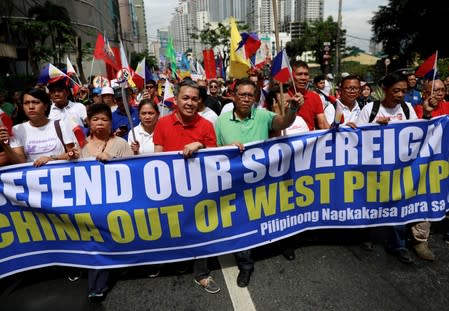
x=412 y=96
x=120 y=122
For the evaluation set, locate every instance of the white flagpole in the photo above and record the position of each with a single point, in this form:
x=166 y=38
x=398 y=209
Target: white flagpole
x=434 y=72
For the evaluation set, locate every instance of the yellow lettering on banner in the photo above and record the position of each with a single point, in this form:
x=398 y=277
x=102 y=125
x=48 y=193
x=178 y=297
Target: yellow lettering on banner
x=422 y=185
x=259 y=201
x=64 y=227
x=438 y=170
x=409 y=185
x=46 y=227
x=88 y=230
x=153 y=224
x=121 y=226
x=306 y=195
x=226 y=209
x=378 y=186
x=173 y=219
x=396 y=192
x=6 y=238
x=353 y=181
x=325 y=187
x=206 y=216
x=285 y=194
x=26 y=226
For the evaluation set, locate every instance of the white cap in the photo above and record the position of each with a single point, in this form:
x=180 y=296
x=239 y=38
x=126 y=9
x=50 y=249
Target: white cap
x=330 y=76
x=107 y=90
x=344 y=74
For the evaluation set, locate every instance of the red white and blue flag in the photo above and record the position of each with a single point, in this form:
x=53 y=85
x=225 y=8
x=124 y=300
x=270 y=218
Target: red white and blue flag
x=50 y=73
x=142 y=74
x=250 y=43
x=428 y=68
x=280 y=68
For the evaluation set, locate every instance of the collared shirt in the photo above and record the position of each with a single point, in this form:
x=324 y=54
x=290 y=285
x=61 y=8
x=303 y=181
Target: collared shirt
x=72 y=112
x=173 y=135
x=230 y=129
x=144 y=139
x=413 y=97
x=351 y=115
x=121 y=119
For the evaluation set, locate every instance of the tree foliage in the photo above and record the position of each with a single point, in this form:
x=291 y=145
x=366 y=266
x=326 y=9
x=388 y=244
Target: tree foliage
x=411 y=28
x=150 y=60
x=313 y=37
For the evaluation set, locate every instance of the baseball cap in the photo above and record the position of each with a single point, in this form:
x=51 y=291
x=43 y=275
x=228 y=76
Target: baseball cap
x=96 y=91
x=107 y=90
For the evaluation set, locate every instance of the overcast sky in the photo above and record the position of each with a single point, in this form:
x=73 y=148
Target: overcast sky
x=355 y=16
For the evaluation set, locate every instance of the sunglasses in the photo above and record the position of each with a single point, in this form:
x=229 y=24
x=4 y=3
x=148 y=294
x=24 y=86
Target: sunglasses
x=150 y=86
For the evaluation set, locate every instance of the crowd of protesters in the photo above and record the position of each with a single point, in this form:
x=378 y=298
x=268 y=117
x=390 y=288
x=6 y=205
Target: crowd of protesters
x=208 y=113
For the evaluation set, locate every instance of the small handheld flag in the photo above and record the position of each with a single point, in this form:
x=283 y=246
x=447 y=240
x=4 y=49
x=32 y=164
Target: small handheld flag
x=280 y=70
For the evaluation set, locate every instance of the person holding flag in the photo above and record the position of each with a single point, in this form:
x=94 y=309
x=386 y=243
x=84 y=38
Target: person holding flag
x=245 y=124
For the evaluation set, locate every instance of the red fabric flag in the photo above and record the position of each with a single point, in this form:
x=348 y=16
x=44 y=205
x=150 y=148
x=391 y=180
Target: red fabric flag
x=104 y=52
x=427 y=67
x=209 y=64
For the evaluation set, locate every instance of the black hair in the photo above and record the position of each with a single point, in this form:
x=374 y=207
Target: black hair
x=299 y=63
x=99 y=108
x=189 y=83
x=392 y=78
x=146 y=101
x=244 y=81
x=151 y=82
x=318 y=79
x=39 y=94
x=349 y=77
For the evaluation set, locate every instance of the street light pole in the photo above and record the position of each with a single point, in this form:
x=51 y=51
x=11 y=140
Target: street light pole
x=338 y=40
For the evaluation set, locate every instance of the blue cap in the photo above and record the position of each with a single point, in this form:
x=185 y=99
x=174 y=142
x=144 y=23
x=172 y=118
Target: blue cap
x=96 y=91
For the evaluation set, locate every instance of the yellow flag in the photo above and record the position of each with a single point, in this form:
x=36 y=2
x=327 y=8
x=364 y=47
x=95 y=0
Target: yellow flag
x=239 y=65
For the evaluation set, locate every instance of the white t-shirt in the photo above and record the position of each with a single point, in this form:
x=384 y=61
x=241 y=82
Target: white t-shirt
x=351 y=115
x=298 y=126
x=144 y=139
x=209 y=115
x=75 y=112
x=40 y=141
x=395 y=114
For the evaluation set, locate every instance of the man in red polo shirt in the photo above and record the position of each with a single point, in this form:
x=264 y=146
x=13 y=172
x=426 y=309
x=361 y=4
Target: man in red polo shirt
x=186 y=130
x=312 y=110
x=433 y=104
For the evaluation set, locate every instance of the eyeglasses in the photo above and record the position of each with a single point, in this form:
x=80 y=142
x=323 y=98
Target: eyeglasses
x=351 y=89
x=243 y=95
x=213 y=87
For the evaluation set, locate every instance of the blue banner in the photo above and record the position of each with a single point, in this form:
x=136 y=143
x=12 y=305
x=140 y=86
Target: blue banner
x=163 y=208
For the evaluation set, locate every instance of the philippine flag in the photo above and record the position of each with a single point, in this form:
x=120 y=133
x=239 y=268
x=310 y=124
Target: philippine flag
x=280 y=70
x=49 y=74
x=428 y=68
x=169 y=102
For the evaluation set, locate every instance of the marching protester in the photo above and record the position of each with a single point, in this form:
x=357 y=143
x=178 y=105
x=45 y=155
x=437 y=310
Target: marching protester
x=365 y=94
x=186 y=131
x=205 y=111
x=247 y=124
x=120 y=122
x=312 y=112
x=412 y=96
x=329 y=110
x=104 y=146
x=349 y=91
x=39 y=140
x=394 y=108
x=150 y=92
x=148 y=115
x=107 y=97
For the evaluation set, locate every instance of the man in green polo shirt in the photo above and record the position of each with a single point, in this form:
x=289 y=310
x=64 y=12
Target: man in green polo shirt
x=245 y=124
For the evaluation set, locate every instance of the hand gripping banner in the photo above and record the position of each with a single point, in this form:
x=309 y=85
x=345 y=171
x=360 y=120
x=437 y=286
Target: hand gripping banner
x=163 y=208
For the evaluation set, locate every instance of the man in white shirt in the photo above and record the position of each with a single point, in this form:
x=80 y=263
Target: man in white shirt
x=350 y=90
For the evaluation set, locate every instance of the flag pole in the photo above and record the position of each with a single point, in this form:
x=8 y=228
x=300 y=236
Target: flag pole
x=278 y=49
x=91 y=67
x=434 y=72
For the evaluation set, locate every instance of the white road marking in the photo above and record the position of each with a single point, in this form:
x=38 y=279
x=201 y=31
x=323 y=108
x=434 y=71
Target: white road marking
x=240 y=297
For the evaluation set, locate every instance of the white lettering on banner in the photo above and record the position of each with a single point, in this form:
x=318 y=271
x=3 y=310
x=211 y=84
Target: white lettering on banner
x=323 y=148
x=258 y=169
x=390 y=156
x=410 y=139
x=11 y=190
x=346 y=148
x=280 y=157
x=433 y=140
x=89 y=184
x=33 y=178
x=119 y=183
x=218 y=177
x=57 y=178
x=187 y=177
x=370 y=145
x=156 y=175
x=303 y=156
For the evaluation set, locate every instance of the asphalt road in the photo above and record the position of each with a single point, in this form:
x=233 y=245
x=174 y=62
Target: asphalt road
x=331 y=272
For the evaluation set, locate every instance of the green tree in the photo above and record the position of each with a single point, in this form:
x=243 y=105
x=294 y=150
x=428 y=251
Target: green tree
x=150 y=60
x=218 y=37
x=411 y=29
x=313 y=37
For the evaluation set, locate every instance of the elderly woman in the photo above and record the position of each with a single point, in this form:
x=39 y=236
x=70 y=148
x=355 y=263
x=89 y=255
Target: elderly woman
x=103 y=145
x=39 y=140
